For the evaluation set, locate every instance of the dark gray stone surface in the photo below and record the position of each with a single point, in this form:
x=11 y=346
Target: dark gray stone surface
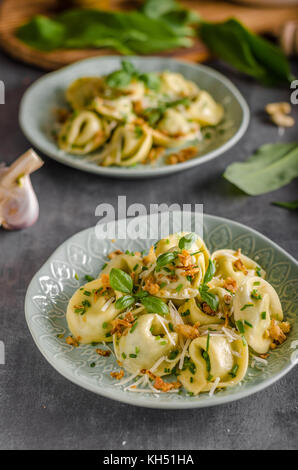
x=38 y=407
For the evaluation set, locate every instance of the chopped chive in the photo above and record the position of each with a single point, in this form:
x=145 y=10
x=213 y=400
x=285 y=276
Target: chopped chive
x=189 y=278
x=105 y=324
x=263 y=315
x=210 y=377
x=246 y=306
x=133 y=356
x=76 y=276
x=124 y=355
x=104 y=266
x=135 y=267
x=205 y=356
x=233 y=372
x=258 y=271
x=240 y=326
x=133 y=327
x=137 y=350
x=191 y=380
x=173 y=354
x=92 y=364
x=255 y=295
x=185 y=313
x=208 y=341
x=162 y=285
x=171 y=326
x=257 y=283
x=195 y=253
x=178 y=288
x=244 y=341
x=80 y=310
x=157 y=337
x=87 y=293
x=248 y=324
x=108 y=335
x=86 y=303
x=163 y=343
x=89 y=278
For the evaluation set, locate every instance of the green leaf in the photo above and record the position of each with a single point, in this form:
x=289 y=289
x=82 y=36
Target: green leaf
x=155 y=305
x=165 y=259
x=118 y=79
x=246 y=51
x=121 y=281
x=207 y=296
x=210 y=272
x=42 y=33
x=125 y=302
x=292 y=205
x=151 y=80
x=186 y=242
x=270 y=168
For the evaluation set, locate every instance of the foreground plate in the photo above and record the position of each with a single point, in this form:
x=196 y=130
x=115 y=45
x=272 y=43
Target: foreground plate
x=47 y=94
x=52 y=287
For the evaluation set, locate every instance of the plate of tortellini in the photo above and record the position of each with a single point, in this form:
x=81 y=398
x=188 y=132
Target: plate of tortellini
x=181 y=322
x=140 y=117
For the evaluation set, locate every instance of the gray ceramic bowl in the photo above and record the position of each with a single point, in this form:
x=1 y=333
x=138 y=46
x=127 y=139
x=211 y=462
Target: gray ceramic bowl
x=53 y=285
x=46 y=94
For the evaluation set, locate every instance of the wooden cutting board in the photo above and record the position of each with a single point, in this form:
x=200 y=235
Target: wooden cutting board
x=14 y=13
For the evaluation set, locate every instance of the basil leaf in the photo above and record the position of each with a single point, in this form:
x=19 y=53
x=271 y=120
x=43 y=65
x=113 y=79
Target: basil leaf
x=121 y=281
x=210 y=272
x=165 y=259
x=292 y=205
x=155 y=305
x=207 y=296
x=118 y=79
x=270 y=168
x=187 y=241
x=125 y=302
x=151 y=80
x=246 y=51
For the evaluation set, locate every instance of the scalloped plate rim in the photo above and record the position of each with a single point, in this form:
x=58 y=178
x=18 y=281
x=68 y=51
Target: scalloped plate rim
x=123 y=397
x=118 y=172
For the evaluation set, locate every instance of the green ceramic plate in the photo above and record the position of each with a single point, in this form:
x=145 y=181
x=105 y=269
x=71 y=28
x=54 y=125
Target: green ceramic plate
x=54 y=284
x=47 y=94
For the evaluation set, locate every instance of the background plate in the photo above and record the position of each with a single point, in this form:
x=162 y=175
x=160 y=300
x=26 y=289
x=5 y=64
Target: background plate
x=51 y=288
x=48 y=93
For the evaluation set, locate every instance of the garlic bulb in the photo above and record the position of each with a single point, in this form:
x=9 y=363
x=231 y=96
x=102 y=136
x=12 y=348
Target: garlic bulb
x=18 y=202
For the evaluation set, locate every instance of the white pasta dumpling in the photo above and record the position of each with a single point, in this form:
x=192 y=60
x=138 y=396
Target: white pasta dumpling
x=177 y=272
x=118 y=109
x=128 y=263
x=129 y=145
x=83 y=133
x=174 y=129
x=175 y=85
x=215 y=362
x=90 y=312
x=204 y=110
x=146 y=343
x=82 y=91
x=255 y=304
x=191 y=313
x=232 y=264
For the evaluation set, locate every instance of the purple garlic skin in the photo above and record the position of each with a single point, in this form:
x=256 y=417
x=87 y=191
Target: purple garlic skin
x=21 y=210
x=19 y=206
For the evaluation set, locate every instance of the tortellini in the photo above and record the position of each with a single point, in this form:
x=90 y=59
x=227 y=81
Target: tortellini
x=143 y=345
x=205 y=110
x=179 y=311
x=255 y=304
x=90 y=311
x=83 y=132
x=133 y=117
x=214 y=358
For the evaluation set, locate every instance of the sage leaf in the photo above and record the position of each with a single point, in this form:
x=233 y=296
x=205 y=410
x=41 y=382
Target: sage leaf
x=125 y=302
x=210 y=272
x=187 y=241
x=121 y=281
x=165 y=259
x=207 y=296
x=155 y=305
x=292 y=205
x=271 y=167
x=246 y=51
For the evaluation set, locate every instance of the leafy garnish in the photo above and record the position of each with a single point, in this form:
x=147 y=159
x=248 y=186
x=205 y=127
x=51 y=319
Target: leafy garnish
x=270 y=168
x=207 y=296
x=121 y=281
x=155 y=305
x=165 y=259
x=210 y=272
x=186 y=242
x=125 y=302
x=292 y=205
x=246 y=51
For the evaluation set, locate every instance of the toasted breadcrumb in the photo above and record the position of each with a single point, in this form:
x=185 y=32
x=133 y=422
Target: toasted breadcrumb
x=182 y=156
x=207 y=309
x=188 y=331
x=105 y=279
x=277 y=331
x=71 y=341
x=159 y=384
x=184 y=258
x=103 y=352
x=151 y=287
x=115 y=253
x=118 y=375
x=230 y=284
x=240 y=266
